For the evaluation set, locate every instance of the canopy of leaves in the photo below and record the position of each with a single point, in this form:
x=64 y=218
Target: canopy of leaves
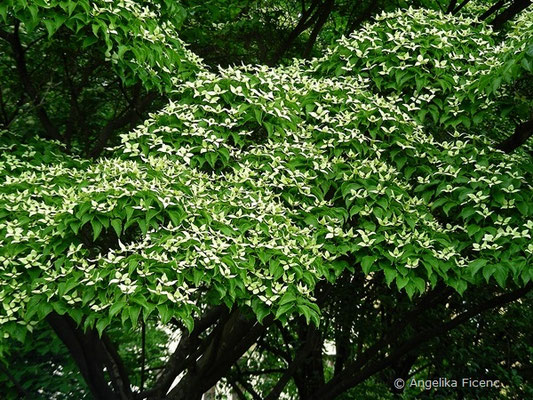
x=81 y=71
x=139 y=38
x=257 y=183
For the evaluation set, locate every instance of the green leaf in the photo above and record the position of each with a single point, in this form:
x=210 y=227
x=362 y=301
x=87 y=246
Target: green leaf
x=420 y=284
x=188 y=321
x=476 y=265
x=19 y=333
x=522 y=207
x=165 y=312
x=71 y=7
x=117 y=226
x=439 y=202
x=284 y=309
x=101 y=324
x=258 y=115
x=97 y=228
x=410 y=289
x=52 y=25
x=460 y=285
x=500 y=274
x=75 y=226
x=390 y=274
x=260 y=310
x=211 y=158
x=367 y=262
x=288 y=297
x=59 y=307
x=488 y=270
x=275 y=269
x=89 y=41
x=116 y=307
x=76 y=314
x=527 y=64
x=134 y=311
x=496 y=84
x=308 y=313
x=175 y=217
x=142 y=226
x=401 y=282
x=472 y=229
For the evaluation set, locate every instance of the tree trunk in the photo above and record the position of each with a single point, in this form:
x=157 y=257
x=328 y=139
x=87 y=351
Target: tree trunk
x=325 y=11
x=510 y=12
x=520 y=136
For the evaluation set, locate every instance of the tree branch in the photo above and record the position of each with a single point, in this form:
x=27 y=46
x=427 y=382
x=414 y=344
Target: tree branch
x=520 y=136
x=143 y=354
x=178 y=360
x=51 y=132
x=264 y=371
x=325 y=12
x=495 y=7
x=82 y=349
x=352 y=376
x=451 y=6
x=128 y=116
x=510 y=12
x=238 y=334
x=307 y=18
x=237 y=389
x=117 y=369
x=363 y=16
x=23 y=393
x=460 y=7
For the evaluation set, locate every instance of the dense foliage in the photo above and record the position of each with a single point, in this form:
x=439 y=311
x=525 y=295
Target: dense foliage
x=111 y=60
x=255 y=189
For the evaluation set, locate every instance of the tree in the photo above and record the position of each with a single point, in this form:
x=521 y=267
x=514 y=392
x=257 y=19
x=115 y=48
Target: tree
x=111 y=60
x=244 y=213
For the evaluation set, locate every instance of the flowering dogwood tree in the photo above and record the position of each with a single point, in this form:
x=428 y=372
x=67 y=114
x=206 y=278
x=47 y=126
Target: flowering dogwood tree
x=230 y=210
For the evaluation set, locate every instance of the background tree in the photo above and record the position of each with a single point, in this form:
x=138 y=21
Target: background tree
x=86 y=70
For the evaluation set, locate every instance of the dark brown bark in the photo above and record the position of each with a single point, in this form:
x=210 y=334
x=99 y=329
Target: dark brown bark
x=354 y=23
x=509 y=13
x=237 y=389
x=520 y=136
x=307 y=19
x=9 y=117
x=128 y=116
x=356 y=372
x=401 y=369
x=190 y=344
x=325 y=11
x=263 y=372
x=451 y=6
x=50 y=131
x=306 y=348
x=460 y=7
x=89 y=353
x=115 y=366
x=22 y=393
x=236 y=337
x=309 y=375
x=241 y=380
x=74 y=82
x=495 y=7
x=143 y=354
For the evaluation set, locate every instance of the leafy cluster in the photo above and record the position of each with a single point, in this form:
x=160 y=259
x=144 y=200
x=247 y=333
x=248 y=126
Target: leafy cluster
x=257 y=183
x=140 y=38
